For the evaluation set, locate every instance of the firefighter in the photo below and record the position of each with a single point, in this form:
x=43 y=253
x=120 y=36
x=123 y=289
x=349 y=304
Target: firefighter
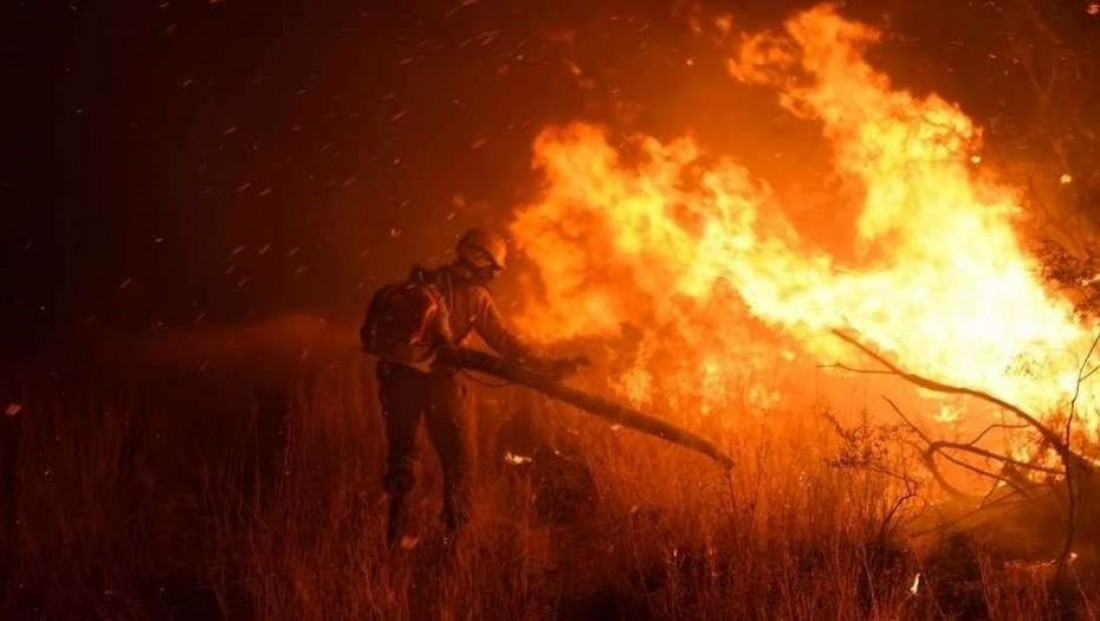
x=409 y=395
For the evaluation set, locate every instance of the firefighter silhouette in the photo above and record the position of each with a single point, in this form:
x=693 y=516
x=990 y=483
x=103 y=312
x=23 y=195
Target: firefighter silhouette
x=407 y=325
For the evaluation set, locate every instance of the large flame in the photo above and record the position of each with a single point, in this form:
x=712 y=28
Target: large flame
x=696 y=256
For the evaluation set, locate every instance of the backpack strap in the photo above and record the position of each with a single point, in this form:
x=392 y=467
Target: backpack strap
x=448 y=289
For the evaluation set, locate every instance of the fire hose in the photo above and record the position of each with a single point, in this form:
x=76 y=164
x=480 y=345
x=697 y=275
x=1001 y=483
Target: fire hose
x=495 y=366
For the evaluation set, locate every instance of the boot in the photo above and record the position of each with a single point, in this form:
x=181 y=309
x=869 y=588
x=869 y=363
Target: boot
x=454 y=519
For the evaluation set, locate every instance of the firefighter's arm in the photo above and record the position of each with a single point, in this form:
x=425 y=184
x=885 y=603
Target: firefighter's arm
x=490 y=327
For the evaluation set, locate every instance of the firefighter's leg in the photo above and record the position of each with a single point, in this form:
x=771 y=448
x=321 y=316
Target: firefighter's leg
x=448 y=431
x=401 y=411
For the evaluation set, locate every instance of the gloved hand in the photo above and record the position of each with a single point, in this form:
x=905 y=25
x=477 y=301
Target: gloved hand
x=447 y=355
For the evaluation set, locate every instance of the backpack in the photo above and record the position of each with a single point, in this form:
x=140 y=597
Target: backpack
x=406 y=322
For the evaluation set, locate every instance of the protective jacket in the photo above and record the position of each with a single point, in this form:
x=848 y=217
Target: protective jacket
x=409 y=395
x=470 y=308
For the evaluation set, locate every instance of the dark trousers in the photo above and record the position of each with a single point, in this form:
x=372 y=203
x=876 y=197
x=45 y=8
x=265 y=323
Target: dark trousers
x=408 y=396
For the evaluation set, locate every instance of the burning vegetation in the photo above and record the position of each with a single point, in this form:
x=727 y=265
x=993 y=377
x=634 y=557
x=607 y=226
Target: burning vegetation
x=913 y=257
x=870 y=330
x=914 y=247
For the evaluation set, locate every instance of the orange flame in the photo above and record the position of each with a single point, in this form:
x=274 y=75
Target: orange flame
x=698 y=256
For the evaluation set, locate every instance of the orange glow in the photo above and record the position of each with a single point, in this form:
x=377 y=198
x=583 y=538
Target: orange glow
x=701 y=256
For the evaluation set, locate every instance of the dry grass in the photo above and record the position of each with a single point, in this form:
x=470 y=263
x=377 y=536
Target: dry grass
x=157 y=493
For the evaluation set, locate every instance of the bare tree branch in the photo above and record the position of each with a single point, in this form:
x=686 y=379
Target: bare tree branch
x=941 y=445
x=910 y=493
x=930 y=453
x=1052 y=438
x=1071 y=490
x=993 y=427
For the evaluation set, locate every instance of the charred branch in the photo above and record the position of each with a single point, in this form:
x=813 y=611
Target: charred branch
x=1049 y=436
x=1071 y=478
x=628 y=417
x=1012 y=475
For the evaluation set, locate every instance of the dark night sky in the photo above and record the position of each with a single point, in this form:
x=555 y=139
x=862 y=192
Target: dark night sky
x=173 y=161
